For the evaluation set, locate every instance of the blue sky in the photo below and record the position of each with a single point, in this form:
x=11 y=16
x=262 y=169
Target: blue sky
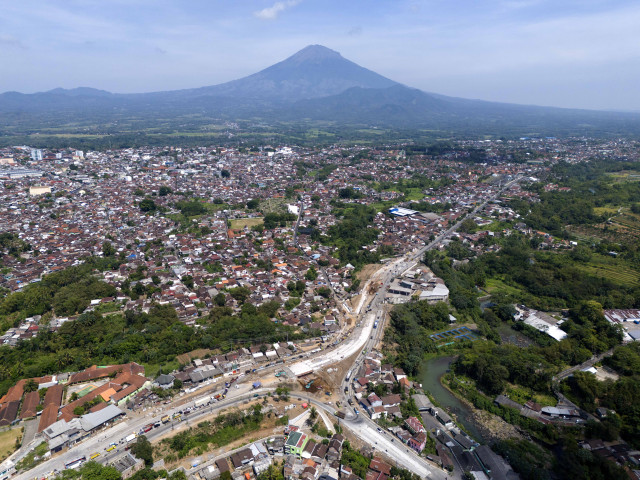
x=567 y=53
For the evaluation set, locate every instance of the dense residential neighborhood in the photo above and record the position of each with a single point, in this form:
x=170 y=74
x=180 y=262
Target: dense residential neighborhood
x=362 y=262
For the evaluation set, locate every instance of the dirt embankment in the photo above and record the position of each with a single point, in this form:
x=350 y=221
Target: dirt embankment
x=492 y=427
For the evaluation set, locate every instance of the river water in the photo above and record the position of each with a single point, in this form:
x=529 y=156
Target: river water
x=429 y=376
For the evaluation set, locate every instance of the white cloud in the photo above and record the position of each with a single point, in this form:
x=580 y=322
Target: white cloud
x=272 y=12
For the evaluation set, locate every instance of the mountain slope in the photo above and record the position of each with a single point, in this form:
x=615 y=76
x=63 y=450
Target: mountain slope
x=315 y=71
x=314 y=85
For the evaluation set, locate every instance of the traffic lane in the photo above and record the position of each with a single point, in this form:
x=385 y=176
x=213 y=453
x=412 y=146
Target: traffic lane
x=395 y=450
x=99 y=442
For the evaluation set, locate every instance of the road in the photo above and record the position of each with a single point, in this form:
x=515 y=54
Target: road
x=555 y=381
x=364 y=336
x=100 y=441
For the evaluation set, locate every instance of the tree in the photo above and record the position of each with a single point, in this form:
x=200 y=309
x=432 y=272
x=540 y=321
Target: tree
x=164 y=191
x=92 y=471
x=220 y=299
x=177 y=384
x=468 y=226
x=274 y=472
x=108 y=250
x=253 y=204
x=147 y=205
x=31 y=385
x=225 y=173
x=240 y=294
x=143 y=450
x=311 y=274
x=187 y=280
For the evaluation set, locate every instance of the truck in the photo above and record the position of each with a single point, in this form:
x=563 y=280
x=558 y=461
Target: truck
x=75 y=463
x=166 y=419
x=201 y=402
x=340 y=414
x=130 y=438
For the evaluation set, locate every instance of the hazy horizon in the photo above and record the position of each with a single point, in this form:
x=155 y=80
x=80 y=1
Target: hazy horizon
x=578 y=55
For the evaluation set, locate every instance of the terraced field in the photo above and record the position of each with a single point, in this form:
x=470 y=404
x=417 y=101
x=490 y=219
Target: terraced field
x=615 y=270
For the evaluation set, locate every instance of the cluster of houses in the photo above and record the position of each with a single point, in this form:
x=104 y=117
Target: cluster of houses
x=454 y=448
x=83 y=199
x=301 y=456
x=71 y=406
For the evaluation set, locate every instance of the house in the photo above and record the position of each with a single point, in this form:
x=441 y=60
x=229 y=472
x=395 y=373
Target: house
x=242 y=458
x=418 y=442
x=296 y=441
x=414 y=425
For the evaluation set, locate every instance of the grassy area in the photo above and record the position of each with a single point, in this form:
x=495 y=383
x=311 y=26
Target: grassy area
x=606 y=210
x=414 y=195
x=522 y=395
x=495 y=285
x=8 y=442
x=384 y=206
x=628 y=221
x=625 y=176
x=239 y=223
x=496 y=226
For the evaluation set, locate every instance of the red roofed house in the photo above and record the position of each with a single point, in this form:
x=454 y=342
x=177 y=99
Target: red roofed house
x=414 y=425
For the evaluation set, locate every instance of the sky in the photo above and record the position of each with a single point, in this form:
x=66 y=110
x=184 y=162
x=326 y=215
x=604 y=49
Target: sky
x=566 y=53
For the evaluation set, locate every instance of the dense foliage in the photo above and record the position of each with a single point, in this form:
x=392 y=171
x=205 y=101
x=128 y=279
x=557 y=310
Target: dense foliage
x=223 y=430
x=619 y=396
x=353 y=232
x=411 y=324
x=153 y=338
x=66 y=293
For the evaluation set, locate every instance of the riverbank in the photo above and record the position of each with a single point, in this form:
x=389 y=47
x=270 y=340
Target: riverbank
x=492 y=427
x=483 y=426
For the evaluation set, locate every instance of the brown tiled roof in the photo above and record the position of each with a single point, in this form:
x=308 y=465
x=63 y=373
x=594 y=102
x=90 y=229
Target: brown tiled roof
x=93 y=373
x=48 y=417
x=9 y=412
x=54 y=396
x=31 y=401
x=14 y=393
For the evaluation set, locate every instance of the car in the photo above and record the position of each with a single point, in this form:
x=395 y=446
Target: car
x=379 y=429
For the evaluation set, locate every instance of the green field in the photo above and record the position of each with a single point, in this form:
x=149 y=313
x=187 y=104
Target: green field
x=495 y=285
x=239 y=223
x=607 y=210
x=414 y=195
x=8 y=442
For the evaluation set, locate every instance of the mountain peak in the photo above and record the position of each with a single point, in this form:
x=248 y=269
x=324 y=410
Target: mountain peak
x=313 y=53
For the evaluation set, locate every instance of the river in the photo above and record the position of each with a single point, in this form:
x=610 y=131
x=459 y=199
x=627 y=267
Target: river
x=430 y=373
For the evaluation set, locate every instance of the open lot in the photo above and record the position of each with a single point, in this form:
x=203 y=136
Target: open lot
x=239 y=223
x=8 y=442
